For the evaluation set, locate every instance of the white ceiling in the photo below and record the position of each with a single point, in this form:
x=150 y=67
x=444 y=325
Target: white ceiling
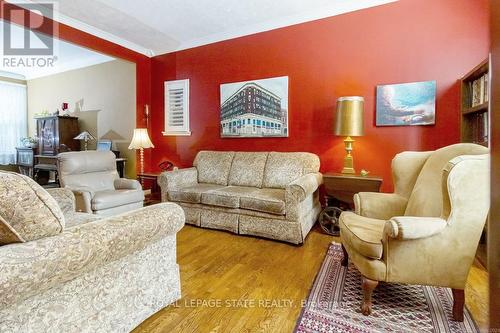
x=155 y=27
x=68 y=56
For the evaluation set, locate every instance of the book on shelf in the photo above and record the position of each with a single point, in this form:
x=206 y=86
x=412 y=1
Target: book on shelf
x=475 y=93
x=486 y=88
x=485 y=127
x=479 y=90
x=480 y=128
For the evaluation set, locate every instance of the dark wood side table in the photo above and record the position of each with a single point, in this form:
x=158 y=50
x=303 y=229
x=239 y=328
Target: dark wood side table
x=44 y=165
x=340 y=189
x=149 y=181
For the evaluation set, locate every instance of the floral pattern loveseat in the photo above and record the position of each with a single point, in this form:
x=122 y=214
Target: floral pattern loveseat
x=267 y=194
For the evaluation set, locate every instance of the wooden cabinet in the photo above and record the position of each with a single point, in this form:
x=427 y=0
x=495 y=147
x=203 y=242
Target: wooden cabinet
x=55 y=135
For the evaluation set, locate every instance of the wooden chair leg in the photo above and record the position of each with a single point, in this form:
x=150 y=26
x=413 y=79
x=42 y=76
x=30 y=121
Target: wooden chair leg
x=345 y=260
x=368 y=286
x=458 y=304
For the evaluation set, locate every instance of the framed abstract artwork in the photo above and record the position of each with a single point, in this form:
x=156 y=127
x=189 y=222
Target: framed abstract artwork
x=406 y=104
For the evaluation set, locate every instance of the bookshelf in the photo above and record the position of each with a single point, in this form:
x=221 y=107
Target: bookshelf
x=475 y=121
x=474 y=110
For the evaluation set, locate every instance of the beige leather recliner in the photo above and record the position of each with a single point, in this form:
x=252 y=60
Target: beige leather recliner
x=93 y=178
x=427 y=231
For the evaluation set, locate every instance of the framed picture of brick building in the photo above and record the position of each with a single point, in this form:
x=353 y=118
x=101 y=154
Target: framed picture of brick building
x=257 y=108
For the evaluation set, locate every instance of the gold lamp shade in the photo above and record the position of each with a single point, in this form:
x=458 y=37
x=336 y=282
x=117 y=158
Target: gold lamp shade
x=349 y=122
x=349 y=116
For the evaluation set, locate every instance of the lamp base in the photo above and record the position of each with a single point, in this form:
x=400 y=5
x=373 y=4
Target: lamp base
x=348 y=166
x=348 y=171
x=348 y=160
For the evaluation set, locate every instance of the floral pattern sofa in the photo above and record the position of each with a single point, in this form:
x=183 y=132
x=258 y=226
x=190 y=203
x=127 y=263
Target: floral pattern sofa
x=63 y=271
x=267 y=194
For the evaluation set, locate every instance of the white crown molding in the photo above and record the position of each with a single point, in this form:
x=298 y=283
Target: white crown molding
x=340 y=8
x=11 y=75
x=74 y=23
x=104 y=35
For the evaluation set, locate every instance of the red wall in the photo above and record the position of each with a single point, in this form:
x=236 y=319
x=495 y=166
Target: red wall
x=410 y=40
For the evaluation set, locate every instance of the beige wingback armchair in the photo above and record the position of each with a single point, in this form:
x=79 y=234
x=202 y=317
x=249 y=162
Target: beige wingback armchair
x=93 y=178
x=427 y=231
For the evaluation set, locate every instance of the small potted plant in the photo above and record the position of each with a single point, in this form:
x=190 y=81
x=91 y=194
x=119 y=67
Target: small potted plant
x=29 y=142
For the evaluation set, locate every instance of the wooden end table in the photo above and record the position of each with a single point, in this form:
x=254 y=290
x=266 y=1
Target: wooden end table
x=149 y=180
x=340 y=189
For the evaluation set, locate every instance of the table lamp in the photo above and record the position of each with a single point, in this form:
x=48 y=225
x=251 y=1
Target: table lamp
x=140 y=141
x=85 y=136
x=349 y=122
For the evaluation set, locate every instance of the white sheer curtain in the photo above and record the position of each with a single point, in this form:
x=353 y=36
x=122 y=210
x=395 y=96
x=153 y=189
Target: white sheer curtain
x=13 y=120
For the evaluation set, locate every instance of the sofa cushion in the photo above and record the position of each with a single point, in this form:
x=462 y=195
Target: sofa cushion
x=363 y=233
x=75 y=219
x=27 y=211
x=283 y=168
x=213 y=166
x=247 y=169
x=115 y=198
x=227 y=197
x=426 y=199
x=267 y=200
x=191 y=194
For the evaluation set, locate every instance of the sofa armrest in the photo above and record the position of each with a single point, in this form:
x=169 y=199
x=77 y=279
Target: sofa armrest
x=177 y=179
x=81 y=190
x=380 y=206
x=33 y=267
x=83 y=198
x=65 y=198
x=410 y=227
x=300 y=188
x=127 y=184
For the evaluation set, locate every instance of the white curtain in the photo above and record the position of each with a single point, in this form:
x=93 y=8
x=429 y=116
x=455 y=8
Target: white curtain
x=13 y=120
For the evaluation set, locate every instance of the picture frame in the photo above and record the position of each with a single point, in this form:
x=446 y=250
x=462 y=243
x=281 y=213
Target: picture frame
x=406 y=104
x=255 y=108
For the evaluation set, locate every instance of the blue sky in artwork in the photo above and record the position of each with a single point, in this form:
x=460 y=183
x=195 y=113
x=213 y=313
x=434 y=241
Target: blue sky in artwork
x=413 y=94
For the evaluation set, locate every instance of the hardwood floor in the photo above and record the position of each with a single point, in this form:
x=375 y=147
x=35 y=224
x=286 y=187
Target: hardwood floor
x=243 y=284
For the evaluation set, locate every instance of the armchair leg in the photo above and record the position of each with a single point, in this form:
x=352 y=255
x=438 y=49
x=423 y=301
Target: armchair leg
x=368 y=286
x=345 y=260
x=458 y=304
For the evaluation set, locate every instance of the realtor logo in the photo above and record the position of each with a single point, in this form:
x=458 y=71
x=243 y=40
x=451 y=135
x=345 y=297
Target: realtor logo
x=29 y=34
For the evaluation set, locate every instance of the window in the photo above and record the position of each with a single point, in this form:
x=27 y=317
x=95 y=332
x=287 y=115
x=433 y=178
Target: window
x=177 y=108
x=13 y=120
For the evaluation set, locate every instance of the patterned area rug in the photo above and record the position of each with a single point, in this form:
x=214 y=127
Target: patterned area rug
x=335 y=298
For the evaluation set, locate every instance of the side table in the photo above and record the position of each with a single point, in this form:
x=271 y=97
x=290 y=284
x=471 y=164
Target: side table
x=149 y=181
x=340 y=189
